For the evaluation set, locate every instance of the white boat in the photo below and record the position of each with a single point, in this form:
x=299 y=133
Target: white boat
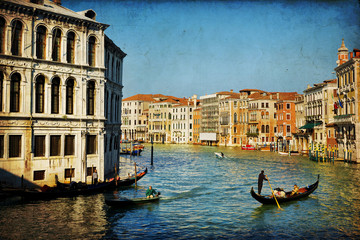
x=283 y=153
x=219 y=155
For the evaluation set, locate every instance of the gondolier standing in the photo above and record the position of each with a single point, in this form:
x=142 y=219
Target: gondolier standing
x=262 y=177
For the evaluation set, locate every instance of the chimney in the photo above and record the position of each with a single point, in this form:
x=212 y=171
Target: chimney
x=57 y=2
x=231 y=90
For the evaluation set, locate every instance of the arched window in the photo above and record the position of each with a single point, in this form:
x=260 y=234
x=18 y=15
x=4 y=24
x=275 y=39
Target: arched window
x=70 y=96
x=2 y=35
x=91 y=51
x=56 y=45
x=16 y=38
x=262 y=129
x=1 y=90
x=91 y=98
x=39 y=96
x=267 y=129
x=235 y=117
x=15 y=93
x=41 y=42
x=55 y=95
x=70 y=47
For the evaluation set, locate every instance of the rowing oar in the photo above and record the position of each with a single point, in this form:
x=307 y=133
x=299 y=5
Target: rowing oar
x=273 y=193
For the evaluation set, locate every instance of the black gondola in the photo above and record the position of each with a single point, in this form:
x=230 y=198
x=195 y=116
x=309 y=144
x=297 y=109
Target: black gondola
x=67 y=190
x=303 y=192
x=130 y=181
x=123 y=202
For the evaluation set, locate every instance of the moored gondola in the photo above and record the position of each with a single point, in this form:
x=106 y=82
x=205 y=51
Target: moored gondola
x=303 y=192
x=129 y=181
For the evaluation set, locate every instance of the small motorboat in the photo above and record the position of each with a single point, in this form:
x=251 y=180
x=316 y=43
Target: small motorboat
x=302 y=192
x=248 y=147
x=283 y=153
x=123 y=202
x=219 y=155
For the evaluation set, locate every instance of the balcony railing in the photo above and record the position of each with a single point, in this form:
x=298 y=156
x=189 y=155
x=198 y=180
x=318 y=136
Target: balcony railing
x=347 y=118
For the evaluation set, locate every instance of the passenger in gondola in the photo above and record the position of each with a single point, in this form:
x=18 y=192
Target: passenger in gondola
x=150 y=193
x=261 y=178
x=295 y=190
x=222 y=154
x=279 y=193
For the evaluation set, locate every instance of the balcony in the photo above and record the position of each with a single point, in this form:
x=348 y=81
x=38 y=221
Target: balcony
x=345 y=119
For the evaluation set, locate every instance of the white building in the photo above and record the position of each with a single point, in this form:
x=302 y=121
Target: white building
x=53 y=82
x=319 y=104
x=134 y=120
x=182 y=130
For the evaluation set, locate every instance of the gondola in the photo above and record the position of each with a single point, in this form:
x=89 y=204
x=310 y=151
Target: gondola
x=303 y=192
x=129 y=181
x=123 y=202
x=66 y=190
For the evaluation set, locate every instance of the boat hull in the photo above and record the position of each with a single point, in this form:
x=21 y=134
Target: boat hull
x=123 y=202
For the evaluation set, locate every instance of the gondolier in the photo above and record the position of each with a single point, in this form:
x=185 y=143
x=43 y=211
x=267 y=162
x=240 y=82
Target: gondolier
x=261 y=178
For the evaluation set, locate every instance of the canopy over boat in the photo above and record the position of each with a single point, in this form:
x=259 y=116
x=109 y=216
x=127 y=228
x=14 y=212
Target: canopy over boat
x=303 y=192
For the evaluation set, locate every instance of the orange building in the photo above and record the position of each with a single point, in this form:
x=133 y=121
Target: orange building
x=197 y=122
x=243 y=114
x=286 y=119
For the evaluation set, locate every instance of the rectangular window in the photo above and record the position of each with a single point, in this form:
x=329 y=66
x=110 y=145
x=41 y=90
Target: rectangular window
x=288 y=128
x=15 y=146
x=39 y=146
x=55 y=144
x=69 y=145
x=90 y=171
x=328 y=136
x=1 y=146
x=288 y=106
x=288 y=116
x=91 y=144
x=69 y=172
x=39 y=175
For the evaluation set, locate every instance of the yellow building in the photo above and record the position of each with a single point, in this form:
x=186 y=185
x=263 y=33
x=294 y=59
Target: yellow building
x=348 y=105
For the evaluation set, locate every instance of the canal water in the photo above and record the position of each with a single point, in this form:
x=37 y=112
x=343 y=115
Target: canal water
x=203 y=198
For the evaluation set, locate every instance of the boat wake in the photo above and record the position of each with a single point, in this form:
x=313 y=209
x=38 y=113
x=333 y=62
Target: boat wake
x=195 y=192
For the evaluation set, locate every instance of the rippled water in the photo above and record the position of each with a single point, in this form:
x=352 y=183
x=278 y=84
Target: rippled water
x=203 y=197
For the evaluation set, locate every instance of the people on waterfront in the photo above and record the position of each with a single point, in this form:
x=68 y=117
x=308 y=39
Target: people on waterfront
x=95 y=177
x=261 y=178
x=150 y=193
x=295 y=190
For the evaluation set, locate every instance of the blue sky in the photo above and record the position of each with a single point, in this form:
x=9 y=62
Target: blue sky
x=182 y=48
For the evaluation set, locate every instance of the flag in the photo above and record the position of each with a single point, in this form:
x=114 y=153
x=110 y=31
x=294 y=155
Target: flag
x=340 y=104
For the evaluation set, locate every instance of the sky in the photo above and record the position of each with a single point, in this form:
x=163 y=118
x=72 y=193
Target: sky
x=182 y=48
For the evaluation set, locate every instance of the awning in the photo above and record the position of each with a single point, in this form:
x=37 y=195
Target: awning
x=310 y=125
